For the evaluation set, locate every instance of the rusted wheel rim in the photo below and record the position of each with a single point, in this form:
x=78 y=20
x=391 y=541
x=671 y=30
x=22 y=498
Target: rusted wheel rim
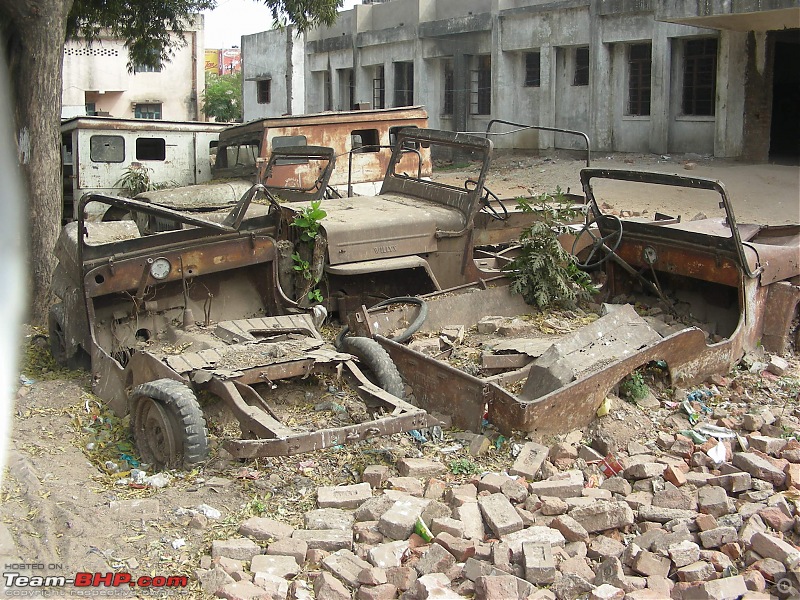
x=156 y=440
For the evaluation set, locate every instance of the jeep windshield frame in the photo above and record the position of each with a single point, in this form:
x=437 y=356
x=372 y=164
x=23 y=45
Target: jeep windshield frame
x=466 y=199
x=732 y=244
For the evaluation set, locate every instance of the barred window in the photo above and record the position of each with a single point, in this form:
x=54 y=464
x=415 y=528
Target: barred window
x=264 y=91
x=639 y=66
x=448 y=105
x=581 y=66
x=533 y=69
x=699 y=76
x=481 y=87
x=147 y=111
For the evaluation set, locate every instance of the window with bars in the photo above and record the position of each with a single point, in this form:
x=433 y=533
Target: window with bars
x=699 y=76
x=449 y=100
x=327 y=90
x=533 y=67
x=481 y=87
x=379 y=88
x=264 y=91
x=147 y=111
x=639 y=66
x=155 y=68
x=581 y=66
x=403 y=83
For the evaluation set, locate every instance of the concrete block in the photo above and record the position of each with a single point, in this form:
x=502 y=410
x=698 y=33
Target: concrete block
x=499 y=514
x=540 y=568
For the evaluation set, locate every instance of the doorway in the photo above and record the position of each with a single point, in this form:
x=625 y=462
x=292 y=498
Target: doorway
x=784 y=144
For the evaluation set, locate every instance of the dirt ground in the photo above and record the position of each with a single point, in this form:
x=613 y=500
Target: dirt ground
x=62 y=506
x=760 y=193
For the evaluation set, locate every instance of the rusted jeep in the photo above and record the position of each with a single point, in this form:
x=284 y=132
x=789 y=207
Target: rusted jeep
x=710 y=290
x=172 y=302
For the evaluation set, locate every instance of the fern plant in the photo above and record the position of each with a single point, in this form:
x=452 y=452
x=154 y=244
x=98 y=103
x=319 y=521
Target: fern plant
x=135 y=180
x=544 y=273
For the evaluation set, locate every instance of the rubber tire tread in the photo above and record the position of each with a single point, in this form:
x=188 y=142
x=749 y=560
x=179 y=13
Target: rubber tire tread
x=372 y=354
x=415 y=325
x=179 y=400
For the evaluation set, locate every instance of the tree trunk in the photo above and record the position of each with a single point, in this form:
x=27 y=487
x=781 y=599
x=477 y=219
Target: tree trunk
x=35 y=33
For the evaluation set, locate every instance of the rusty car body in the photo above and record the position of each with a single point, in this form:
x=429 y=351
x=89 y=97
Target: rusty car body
x=362 y=142
x=744 y=279
x=126 y=310
x=170 y=303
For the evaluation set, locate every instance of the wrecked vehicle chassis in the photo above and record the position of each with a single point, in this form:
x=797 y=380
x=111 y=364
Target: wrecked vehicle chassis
x=161 y=319
x=748 y=276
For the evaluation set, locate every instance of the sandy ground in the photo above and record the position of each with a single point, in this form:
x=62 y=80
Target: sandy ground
x=763 y=193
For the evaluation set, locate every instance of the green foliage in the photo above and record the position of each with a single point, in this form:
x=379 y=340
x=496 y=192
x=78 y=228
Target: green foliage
x=145 y=25
x=223 y=97
x=633 y=387
x=544 y=273
x=308 y=220
x=463 y=466
x=135 y=180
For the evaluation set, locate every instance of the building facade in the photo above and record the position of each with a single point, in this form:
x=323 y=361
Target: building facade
x=636 y=75
x=273 y=82
x=96 y=81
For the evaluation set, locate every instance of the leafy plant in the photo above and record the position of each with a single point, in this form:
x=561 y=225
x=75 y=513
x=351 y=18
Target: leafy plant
x=634 y=387
x=308 y=220
x=223 y=97
x=135 y=180
x=463 y=466
x=544 y=273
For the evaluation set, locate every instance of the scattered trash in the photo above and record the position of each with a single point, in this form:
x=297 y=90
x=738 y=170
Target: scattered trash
x=418 y=437
x=717 y=453
x=610 y=466
x=111 y=466
x=159 y=480
x=209 y=511
x=138 y=476
x=695 y=436
x=721 y=433
x=178 y=543
x=422 y=530
x=605 y=407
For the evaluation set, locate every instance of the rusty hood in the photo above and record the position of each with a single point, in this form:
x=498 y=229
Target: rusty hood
x=371 y=227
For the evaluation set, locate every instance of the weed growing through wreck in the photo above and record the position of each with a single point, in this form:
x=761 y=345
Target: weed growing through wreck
x=544 y=273
x=633 y=387
x=307 y=221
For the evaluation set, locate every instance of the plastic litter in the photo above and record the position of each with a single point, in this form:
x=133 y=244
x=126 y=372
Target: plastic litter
x=610 y=466
x=604 y=408
x=159 y=480
x=695 y=436
x=418 y=437
x=721 y=433
x=717 y=453
x=209 y=511
x=137 y=476
x=178 y=543
x=422 y=530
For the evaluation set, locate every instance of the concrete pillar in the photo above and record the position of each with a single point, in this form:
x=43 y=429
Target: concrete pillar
x=547 y=108
x=461 y=91
x=661 y=80
x=600 y=85
x=731 y=70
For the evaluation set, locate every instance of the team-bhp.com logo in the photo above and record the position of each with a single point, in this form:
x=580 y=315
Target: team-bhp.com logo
x=15 y=582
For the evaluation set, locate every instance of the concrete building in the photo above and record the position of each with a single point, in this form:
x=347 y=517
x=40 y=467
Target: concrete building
x=272 y=74
x=637 y=75
x=97 y=81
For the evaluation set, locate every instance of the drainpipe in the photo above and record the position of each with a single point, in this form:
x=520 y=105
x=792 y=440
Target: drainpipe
x=194 y=93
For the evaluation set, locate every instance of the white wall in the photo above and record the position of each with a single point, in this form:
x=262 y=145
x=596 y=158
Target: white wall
x=102 y=70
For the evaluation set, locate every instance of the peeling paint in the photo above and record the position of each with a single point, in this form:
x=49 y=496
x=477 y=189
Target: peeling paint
x=24 y=146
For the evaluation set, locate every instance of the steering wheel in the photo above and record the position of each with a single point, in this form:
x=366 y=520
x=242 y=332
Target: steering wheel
x=486 y=201
x=609 y=243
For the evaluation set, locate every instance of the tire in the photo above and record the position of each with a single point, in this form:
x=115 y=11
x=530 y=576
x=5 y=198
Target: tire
x=408 y=332
x=168 y=425
x=377 y=360
x=57 y=340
